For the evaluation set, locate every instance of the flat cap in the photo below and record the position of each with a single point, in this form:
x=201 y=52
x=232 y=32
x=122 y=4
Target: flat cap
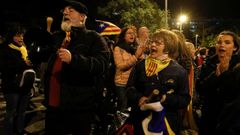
x=78 y=6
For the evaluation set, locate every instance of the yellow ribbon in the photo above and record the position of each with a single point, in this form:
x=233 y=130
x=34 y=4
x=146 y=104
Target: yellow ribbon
x=169 y=130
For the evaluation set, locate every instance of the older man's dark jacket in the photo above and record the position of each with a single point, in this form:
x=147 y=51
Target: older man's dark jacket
x=78 y=79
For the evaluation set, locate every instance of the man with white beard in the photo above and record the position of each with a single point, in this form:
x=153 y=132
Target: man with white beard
x=71 y=75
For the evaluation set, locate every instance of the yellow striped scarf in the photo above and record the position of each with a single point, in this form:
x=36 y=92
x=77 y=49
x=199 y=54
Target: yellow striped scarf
x=153 y=66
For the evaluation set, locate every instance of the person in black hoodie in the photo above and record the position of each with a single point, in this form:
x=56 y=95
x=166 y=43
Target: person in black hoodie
x=72 y=73
x=218 y=83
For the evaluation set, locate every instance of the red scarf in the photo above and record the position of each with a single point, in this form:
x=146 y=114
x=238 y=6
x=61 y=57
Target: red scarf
x=54 y=92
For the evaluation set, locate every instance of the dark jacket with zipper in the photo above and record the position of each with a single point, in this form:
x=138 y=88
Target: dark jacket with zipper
x=78 y=87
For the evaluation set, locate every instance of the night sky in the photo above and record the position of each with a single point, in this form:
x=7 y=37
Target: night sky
x=203 y=8
x=35 y=11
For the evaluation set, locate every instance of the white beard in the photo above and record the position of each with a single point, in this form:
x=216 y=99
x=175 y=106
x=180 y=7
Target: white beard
x=66 y=26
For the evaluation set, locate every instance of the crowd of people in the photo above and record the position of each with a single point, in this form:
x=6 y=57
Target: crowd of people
x=159 y=77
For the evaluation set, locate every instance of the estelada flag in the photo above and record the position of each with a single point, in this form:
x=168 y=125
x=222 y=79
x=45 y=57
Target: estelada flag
x=107 y=28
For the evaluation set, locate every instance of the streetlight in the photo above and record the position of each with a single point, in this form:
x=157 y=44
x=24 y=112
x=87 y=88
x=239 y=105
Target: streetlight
x=182 y=19
x=166 y=13
x=196 y=40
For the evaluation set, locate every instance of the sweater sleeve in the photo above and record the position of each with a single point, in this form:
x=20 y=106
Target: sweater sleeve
x=122 y=59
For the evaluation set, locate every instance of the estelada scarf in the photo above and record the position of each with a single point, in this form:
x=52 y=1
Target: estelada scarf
x=153 y=66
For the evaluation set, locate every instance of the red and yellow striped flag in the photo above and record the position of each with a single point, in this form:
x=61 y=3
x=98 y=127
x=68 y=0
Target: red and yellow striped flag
x=107 y=28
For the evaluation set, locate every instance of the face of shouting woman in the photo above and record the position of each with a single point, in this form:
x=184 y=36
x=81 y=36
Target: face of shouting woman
x=130 y=36
x=157 y=48
x=225 y=47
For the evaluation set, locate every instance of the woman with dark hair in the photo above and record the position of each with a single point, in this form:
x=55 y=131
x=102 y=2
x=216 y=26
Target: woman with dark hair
x=125 y=57
x=218 y=84
x=14 y=61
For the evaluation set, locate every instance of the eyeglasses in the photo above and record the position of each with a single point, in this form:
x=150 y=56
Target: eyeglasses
x=131 y=33
x=157 y=42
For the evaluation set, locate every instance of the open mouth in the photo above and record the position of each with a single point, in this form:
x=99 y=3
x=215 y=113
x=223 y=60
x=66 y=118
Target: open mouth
x=153 y=49
x=131 y=39
x=221 y=50
x=65 y=19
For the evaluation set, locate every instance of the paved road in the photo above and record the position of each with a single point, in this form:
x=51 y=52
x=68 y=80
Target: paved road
x=34 y=116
